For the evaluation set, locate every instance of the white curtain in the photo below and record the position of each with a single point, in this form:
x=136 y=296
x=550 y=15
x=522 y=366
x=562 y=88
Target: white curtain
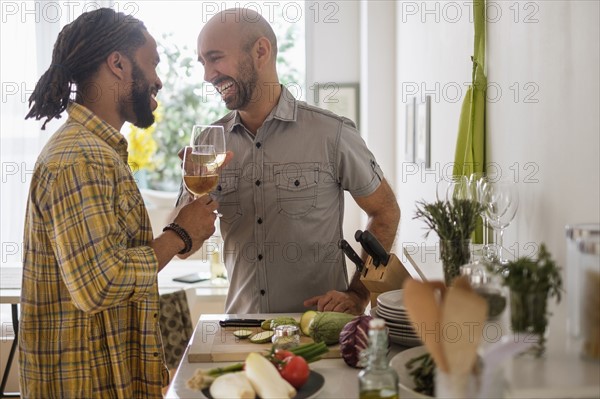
x=28 y=32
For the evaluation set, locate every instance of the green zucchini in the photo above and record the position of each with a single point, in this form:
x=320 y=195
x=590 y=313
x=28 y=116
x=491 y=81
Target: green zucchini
x=242 y=333
x=262 y=337
x=327 y=326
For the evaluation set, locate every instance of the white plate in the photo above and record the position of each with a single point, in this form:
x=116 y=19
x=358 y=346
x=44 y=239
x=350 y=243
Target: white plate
x=386 y=314
x=391 y=299
x=406 y=333
x=401 y=340
x=400 y=308
x=396 y=326
x=398 y=363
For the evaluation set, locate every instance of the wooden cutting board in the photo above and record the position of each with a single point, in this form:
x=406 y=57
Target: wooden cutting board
x=213 y=343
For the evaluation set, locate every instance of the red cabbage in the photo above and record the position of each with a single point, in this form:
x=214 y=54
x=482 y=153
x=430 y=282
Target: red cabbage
x=354 y=339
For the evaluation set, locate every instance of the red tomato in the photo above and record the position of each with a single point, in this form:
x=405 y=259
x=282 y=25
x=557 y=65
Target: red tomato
x=295 y=371
x=281 y=354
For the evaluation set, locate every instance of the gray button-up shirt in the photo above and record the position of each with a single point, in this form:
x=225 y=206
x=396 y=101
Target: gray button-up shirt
x=282 y=200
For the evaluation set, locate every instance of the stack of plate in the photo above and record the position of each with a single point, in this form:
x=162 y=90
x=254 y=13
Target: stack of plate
x=390 y=307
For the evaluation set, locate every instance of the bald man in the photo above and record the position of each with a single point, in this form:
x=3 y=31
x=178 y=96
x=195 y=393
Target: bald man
x=282 y=195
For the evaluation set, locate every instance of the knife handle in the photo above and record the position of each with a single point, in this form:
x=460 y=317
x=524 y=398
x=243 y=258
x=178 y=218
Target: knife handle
x=240 y=323
x=352 y=255
x=376 y=246
x=359 y=237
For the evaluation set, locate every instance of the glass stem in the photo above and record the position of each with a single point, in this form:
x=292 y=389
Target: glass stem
x=485 y=232
x=500 y=243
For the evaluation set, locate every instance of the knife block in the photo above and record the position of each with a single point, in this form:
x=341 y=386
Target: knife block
x=381 y=279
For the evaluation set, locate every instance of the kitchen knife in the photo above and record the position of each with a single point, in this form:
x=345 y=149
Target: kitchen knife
x=380 y=252
x=358 y=236
x=241 y=322
x=352 y=255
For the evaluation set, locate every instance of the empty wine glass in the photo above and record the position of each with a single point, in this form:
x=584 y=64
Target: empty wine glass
x=501 y=200
x=210 y=135
x=199 y=169
x=478 y=182
x=454 y=187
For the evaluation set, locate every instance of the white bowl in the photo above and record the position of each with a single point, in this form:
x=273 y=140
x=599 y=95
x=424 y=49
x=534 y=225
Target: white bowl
x=398 y=363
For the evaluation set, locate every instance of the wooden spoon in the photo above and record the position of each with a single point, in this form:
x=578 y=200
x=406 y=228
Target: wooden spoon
x=425 y=313
x=463 y=318
x=462 y=282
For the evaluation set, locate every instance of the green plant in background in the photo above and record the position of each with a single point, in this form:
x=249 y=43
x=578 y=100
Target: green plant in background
x=532 y=282
x=186 y=100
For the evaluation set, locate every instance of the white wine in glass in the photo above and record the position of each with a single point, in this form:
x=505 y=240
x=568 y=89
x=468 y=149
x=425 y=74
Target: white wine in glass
x=200 y=169
x=210 y=135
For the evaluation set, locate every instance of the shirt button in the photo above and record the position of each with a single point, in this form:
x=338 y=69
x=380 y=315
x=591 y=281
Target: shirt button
x=219 y=188
x=155 y=354
x=263 y=292
x=155 y=315
x=258 y=145
x=259 y=221
x=257 y=182
x=260 y=257
x=296 y=183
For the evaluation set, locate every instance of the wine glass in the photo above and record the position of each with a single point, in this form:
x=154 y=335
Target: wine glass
x=454 y=187
x=200 y=169
x=210 y=135
x=478 y=183
x=501 y=200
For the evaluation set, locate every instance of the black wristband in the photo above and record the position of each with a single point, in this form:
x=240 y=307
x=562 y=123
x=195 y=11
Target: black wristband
x=185 y=237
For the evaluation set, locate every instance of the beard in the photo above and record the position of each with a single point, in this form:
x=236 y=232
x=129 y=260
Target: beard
x=245 y=84
x=140 y=99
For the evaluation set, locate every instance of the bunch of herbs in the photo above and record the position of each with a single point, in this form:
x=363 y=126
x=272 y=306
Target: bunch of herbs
x=532 y=282
x=452 y=220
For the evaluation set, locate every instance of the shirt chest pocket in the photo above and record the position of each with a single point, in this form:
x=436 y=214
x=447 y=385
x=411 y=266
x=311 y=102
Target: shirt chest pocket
x=297 y=188
x=227 y=195
x=130 y=205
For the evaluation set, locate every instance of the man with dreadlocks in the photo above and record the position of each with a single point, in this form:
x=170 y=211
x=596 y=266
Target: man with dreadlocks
x=89 y=303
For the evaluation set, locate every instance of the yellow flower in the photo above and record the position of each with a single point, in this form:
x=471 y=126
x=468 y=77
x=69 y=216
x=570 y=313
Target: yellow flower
x=142 y=145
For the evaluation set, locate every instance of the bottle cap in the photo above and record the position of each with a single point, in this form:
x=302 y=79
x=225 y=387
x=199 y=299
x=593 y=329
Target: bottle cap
x=377 y=324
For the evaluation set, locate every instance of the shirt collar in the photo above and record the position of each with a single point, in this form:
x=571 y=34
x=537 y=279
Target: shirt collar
x=285 y=110
x=97 y=126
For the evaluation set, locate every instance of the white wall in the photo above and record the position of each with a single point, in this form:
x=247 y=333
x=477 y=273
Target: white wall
x=333 y=56
x=548 y=54
x=543 y=109
x=433 y=53
x=559 y=134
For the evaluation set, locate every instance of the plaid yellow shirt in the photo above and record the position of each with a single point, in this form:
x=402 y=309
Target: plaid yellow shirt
x=89 y=302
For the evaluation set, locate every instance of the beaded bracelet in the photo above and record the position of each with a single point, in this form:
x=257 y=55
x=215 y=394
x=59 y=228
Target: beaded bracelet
x=185 y=237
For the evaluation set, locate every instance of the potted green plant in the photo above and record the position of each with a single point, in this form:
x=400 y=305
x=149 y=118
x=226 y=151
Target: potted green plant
x=454 y=221
x=531 y=283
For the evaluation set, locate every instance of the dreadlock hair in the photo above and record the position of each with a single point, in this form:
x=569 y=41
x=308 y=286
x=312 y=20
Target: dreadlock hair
x=81 y=47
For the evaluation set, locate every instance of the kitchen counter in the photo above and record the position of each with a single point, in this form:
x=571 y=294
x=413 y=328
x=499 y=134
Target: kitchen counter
x=333 y=370
x=560 y=373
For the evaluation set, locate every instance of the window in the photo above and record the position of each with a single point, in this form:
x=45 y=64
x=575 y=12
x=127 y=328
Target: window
x=174 y=24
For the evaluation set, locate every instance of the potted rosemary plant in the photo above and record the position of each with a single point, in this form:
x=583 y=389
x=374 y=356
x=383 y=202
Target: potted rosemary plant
x=531 y=283
x=454 y=221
